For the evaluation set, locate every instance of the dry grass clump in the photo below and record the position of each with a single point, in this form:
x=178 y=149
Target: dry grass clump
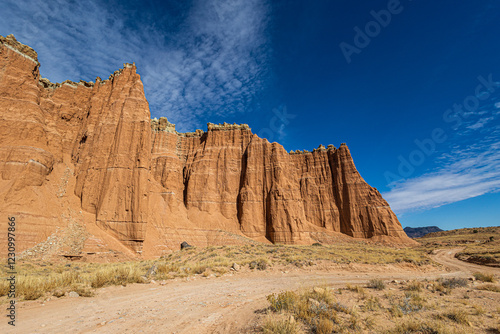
x=377 y=284
x=273 y=325
x=454 y=282
x=372 y=303
x=82 y=289
x=356 y=288
x=317 y=308
x=446 y=285
x=403 y=310
x=58 y=280
x=457 y=315
x=485 y=277
x=119 y=275
x=478 y=309
x=414 y=286
x=410 y=326
x=489 y=287
x=412 y=302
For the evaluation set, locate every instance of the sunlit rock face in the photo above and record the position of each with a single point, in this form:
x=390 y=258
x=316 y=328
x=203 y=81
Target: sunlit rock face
x=87 y=154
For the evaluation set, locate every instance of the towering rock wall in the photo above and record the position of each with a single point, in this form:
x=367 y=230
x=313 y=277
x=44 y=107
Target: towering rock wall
x=88 y=154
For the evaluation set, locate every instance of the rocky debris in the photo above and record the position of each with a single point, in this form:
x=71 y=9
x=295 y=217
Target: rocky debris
x=235 y=267
x=12 y=42
x=64 y=182
x=73 y=294
x=320 y=148
x=162 y=124
x=227 y=126
x=185 y=245
x=145 y=280
x=131 y=174
x=58 y=293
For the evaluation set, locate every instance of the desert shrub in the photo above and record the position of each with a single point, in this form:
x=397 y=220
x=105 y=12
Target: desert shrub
x=315 y=308
x=454 y=282
x=32 y=294
x=4 y=287
x=261 y=264
x=164 y=269
x=457 y=315
x=199 y=268
x=414 y=286
x=377 y=284
x=354 y=323
x=485 y=277
x=284 y=301
x=395 y=311
x=324 y=326
x=479 y=310
x=98 y=280
x=489 y=287
x=356 y=288
x=437 y=286
x=220 y=270
x=120 y=274
x=417 y=327
x=32 y=288
x=372 y=303
x=273 y=325
x=82 y=289
x=412 y=302
x=338 y=307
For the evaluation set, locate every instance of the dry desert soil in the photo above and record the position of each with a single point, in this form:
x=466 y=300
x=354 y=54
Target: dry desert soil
x=228 y=304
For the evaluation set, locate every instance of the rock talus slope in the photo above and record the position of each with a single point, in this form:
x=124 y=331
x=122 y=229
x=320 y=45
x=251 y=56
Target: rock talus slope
x=88 y=155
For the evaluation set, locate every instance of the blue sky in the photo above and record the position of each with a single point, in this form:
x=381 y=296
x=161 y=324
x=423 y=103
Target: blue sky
x=413 y=87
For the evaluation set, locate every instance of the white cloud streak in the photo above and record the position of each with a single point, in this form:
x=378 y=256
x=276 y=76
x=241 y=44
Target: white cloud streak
x=480 y=123
x=469 y=173
x=214 y=61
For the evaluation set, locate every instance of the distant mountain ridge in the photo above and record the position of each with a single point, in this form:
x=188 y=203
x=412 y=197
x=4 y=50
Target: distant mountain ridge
x=417 y=232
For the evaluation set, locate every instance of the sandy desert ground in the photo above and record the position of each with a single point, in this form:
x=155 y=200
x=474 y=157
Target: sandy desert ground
x=229 y=304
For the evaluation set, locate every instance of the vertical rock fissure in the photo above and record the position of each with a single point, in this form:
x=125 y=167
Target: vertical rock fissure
x=243 y=174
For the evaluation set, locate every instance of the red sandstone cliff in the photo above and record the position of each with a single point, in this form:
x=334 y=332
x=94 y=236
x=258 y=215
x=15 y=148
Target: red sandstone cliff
x=86 y=157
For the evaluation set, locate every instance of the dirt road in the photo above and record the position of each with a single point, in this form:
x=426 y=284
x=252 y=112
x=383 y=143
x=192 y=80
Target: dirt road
x=447 y=258
x=214 y=305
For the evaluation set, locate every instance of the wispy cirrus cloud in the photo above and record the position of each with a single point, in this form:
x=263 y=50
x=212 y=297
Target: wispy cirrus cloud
x=480 y=123
x=467 y=173
x=208 y=58
x=469 y=166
